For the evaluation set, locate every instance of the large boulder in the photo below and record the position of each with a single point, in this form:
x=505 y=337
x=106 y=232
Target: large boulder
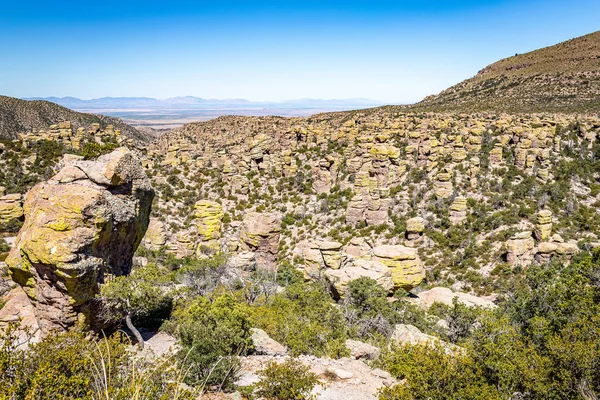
x=209 y=220
x=361 y=350
x=264 y=345
x=318 y=255
x=260 y=234
x=156 y=236
x=414 y=228
x=409 y=334
x=446 y=296
x=358 y=268
x=404 y=262
x=82 y=224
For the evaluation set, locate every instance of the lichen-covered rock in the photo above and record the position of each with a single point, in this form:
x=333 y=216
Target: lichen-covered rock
x=260 y=234
x=155 y=237
x=209 y=221
x=10 y=207
x=414 y=228
x=18 y=308
x=83 y=223
x=568 y=248
x=543 y=229
x=330 y=250
x=520 y=243
x=415 y=225
x=404 y=263
x=358 y=268
x=458 y=210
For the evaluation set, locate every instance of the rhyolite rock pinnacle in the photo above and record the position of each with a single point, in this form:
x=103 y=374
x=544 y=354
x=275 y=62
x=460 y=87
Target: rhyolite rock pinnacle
x=81 y=225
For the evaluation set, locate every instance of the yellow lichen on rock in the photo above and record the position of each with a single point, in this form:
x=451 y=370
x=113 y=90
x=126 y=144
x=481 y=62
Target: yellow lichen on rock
x=209 y=218
x=404 y=263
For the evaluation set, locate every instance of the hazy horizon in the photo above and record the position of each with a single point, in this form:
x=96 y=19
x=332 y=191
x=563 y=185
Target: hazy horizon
x=394 y=52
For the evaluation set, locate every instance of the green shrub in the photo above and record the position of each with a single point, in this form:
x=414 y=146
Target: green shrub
x=430 y=372
x=93 y=150
x=290 y=380
x=305 y=319
x=288 y=275
x=75 y=365
x=367 y=310
x=202 y=275
x=144 y=294
x=212 y=332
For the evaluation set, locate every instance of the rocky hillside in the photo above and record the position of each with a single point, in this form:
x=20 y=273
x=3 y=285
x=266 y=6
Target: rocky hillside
x=561 y=78
x=20 y=116
x=444 y=199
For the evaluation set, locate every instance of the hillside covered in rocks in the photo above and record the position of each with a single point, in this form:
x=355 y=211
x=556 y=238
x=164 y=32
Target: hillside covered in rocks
x=20 y=116
x=393 y=253
x=461 y=199
x=560 y=78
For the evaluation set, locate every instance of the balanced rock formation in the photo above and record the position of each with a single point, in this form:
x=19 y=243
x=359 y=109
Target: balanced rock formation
x=414 y=228
x=260 y=234
x=209 y=218
x=458 y=210
x=404 y=263
x=83 y=223
x=543 y=229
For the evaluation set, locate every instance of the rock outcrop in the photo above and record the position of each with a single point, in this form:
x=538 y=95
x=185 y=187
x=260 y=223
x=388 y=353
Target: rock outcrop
x=209 y=219
x=543 y=229
x=264 y=345
x=11 y=208
x=260 y=234
x=361 y=350
x=404 y=262
x=518 y=245
x=155 y=237
x=358 y=268
x=446 y=296
x=414 y=228
x=80 y=226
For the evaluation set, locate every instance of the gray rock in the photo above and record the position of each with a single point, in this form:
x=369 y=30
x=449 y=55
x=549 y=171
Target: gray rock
x=264 y=345
x=360 y=350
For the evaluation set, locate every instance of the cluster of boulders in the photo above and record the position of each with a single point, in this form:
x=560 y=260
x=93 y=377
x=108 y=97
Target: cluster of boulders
x=393 y=267
x=65 y=133
x=540 y=243
x=389 y=162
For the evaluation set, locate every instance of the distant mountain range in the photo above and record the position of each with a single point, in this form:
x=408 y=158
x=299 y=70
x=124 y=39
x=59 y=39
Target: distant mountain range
x=190 y=102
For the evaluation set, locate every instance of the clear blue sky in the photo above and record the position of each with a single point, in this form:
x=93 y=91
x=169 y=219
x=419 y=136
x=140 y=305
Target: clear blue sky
x=394 y=51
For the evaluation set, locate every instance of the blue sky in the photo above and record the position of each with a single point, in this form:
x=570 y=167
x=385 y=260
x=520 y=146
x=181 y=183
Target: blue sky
x=393 y=51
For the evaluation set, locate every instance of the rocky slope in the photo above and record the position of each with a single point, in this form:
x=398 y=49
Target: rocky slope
x=452 y=199
x=561 y=78
x=20 y=116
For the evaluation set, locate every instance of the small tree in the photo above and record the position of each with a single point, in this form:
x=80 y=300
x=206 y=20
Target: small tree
x=140 y=294
x=290 y=380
